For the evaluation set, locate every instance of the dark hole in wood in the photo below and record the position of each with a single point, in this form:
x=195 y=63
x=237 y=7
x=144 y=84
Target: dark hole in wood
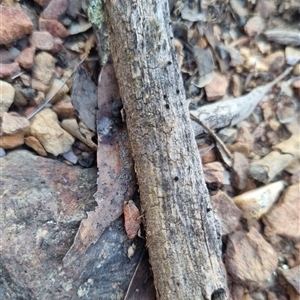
x=167 y=106
x=218 y=294
x=169 y=62
x=177 y=91
x=176 y=178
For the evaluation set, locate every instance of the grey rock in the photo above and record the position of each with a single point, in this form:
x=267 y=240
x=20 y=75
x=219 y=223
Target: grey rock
x=44 y=202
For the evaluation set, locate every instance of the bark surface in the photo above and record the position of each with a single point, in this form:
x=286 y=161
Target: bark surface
x=184 y=245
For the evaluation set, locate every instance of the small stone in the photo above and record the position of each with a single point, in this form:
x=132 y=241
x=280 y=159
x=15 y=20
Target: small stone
x=285 y=212
x=228 y=213
x=236 y=85
x=15 y=24
x=275 y=61
x=296 y=70
x=66 y=20
x=7 y=95
x=237 y=291
x=58 y=90
x=80 y=147
x=54 y=27
x=264 y=47
x=64 y=109
x=240 y=147
x=256 y=63
x=12 y=123
x=228 y=135
x=249 y=258
x=26 y=79
x=292 y=276
x=2 y=152
x=42 y=40
x=79 y=26
x=272 y=296
x=58 y=45
x=131 y=250
x=9 y=69
x=74 y=9
x=86 y=160
x=292 y=55
x=207 y=153
x=34 y=143
x=43 y=71
x=39 y=98
x=286 y=108
x=216 y=89
x=45 y=127
x=257 y=202
x=245 y=136
x=55 y=9
x=5 y=57
x=240 y=171
x=214 y=174
x=25 y=58
x=28 y=93
x=14 y=51
x=265 y=8
x=71 y=157
x=12 y=141
x=296 y=84
x=254 y=26
x=258 y=296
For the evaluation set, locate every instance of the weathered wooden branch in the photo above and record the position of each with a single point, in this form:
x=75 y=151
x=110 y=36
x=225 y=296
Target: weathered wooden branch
x=184 y=245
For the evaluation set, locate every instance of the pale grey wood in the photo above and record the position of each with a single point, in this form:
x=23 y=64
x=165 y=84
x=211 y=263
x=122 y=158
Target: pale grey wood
x=184 y=245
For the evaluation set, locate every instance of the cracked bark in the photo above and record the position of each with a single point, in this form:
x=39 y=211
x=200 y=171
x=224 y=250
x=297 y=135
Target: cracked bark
x=183 y=242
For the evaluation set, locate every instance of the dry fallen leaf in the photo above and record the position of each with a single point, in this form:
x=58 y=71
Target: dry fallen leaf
x=132 y=219
x=84 y=97
x=116 y=177
x=230 y=112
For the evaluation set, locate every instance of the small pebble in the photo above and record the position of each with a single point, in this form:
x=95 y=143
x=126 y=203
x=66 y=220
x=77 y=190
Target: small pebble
x=70 y=156
x=2 y=152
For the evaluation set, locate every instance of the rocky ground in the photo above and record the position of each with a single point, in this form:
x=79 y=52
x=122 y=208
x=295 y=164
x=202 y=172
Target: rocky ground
x=49 y=57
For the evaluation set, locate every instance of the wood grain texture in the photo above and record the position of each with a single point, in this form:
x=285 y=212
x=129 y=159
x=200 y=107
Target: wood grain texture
x=184 y=245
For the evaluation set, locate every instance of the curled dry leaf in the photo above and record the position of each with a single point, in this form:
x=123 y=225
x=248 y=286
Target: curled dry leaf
x=285 y=37
x=132 y=219
x=205 y=64
x=116 y=177
x=90 y=43
x=84 y=97
x=230 y=112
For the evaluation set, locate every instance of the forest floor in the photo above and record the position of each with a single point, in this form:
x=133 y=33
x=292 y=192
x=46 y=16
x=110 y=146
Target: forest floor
x=227 y=50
